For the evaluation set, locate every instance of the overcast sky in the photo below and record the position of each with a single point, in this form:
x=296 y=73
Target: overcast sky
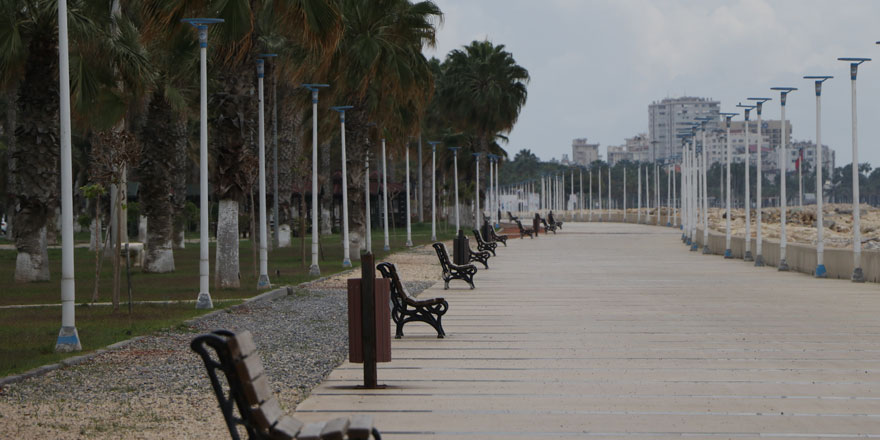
x=597 y=64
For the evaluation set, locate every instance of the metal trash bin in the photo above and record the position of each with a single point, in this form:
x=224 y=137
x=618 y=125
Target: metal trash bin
x=382 y=290
x=461 y=249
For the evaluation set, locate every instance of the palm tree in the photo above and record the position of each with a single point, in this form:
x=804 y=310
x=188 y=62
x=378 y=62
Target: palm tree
x=313 y=25
x=164 y=137
x=106 y=68
x=378 y=67
x=482 y=90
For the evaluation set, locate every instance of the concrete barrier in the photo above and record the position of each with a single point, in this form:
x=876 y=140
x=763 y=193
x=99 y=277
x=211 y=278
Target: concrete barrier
x=800 y=257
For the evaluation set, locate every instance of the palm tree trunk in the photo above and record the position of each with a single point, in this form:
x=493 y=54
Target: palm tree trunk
x=34 y=158
x=156 y=171
x=226 y=262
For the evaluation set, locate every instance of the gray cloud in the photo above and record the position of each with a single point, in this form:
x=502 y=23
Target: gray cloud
x=596 y=65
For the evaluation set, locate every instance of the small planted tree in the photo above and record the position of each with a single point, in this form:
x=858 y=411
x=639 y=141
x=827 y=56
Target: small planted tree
x=112 y=153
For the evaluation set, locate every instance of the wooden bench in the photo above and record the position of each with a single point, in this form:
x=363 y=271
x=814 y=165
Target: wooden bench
x=248 y=390
x=451 y=271
x=523 y=231
x=407 y=308
x=548 y=227
x=553 y=221
x=482 y=245
x=479 y=256
x=498 y=238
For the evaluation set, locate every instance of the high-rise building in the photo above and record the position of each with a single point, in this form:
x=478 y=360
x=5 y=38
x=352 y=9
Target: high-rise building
x=636 y=149
x=668 y=115
x=584 y=153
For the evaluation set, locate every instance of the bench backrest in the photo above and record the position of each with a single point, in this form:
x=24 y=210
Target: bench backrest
x=442 y=255
x=236 y=355
x=399 y=294
x=478 y=237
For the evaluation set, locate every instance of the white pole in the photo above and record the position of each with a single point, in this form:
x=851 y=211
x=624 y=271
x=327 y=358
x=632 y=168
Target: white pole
x=668 y=198
x=314 y=269
x=204 y=299
x=820 y=187
x=705 y=194
x=346 y=253
x=694 y=187
x=748 y=195
x=477 y=212
x=639 y=196
x=857 y=276
x=727 y=252
x=657 y=190
x=783 y=174
x=68 y=337
x=581 y=197
x=599 y=191
x=368 y=227
x=263 y=281
x=433 y=191
x=409 y=242
x=609 y=193
x=759 y=257
x=387 y=246
x=624 y=194
x=455 y=179
x=591 y=193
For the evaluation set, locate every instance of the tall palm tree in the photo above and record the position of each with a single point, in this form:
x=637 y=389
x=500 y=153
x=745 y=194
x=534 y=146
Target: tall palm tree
x=311 y=24
x=164 y=137
x=378 y=67
x=483 y=89
x=106 y=68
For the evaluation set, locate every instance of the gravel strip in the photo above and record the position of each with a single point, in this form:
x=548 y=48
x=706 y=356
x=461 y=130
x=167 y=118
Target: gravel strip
x=156 y=387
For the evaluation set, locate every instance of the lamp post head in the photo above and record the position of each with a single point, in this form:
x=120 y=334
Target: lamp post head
x=746 y=109
x=727 y=117
x=314 y=88
x=201 y=24
x=819 y=80
x=434 y=145
x=341 y=109
x=759 y=103
x=853 y=65
x=476 y=156
x=783 y=93
x=454 y=150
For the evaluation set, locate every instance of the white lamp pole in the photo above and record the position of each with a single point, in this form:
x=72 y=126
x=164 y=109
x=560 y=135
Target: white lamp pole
x=68 y=337
x=590 y=190
x=387 y=245
x=204 y=300
x=409 y=242
x=314 y=269
x=783 y=174
x=624 y=194
x=668 y=198
x=694 y=187
x=727 y=252
x=274 y=151
x=657 y=190
x=609 y=192
x=346 y=257
x=747 y=256
x=820 y=187
x=599 y=191
x=704 y=187
x=639 y=195
x=455 y=183
x=759 y=257
x=858 y=276
x=263 y=281
x=433 y=189
x=477 y=213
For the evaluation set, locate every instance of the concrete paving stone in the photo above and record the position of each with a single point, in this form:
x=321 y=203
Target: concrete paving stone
x=616 y=330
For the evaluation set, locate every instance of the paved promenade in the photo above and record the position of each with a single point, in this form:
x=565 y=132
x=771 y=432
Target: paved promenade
x=616 y=330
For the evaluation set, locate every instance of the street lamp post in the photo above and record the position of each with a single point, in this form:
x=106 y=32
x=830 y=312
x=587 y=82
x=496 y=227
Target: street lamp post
x=433 y=189
x=68 y=337
x=820 y=196
x=263 y=281
x=759 y=257
x=704 y=184
x=275 y=236
x=639 y=195
x=477 y=213
x=783 y=171
x=409 y=242
x=727 y=252
x=590 y=190
x=858 y=276
x=346 y=257
x=201 y=24
x=314 y=269
x=747 y=255
x=387 y=244
x=455 y=183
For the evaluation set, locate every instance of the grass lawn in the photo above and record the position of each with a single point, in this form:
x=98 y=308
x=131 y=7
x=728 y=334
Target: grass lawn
x=27 y=336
